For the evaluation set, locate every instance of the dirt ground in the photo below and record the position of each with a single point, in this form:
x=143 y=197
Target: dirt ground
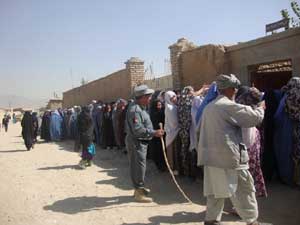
x=45 y=186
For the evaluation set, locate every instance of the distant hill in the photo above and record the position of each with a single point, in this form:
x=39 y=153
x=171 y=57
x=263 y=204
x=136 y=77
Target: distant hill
x=20 y=101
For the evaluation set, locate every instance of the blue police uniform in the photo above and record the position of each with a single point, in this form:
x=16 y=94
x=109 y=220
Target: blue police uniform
x=139 y=131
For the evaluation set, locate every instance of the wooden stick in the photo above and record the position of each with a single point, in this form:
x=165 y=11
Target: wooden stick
x=170 y=171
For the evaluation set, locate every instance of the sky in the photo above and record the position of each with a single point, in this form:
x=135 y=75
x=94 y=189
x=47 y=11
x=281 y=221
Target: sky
x=48 y=46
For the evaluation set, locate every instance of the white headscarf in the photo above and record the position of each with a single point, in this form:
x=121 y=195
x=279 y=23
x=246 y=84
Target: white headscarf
x=171 y=118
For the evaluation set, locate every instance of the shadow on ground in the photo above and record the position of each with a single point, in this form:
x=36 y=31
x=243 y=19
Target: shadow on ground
x=84 y=204
x=76 y=167
x=177 y=218
x=115 y=164
x=281 y=205
x=13 y=151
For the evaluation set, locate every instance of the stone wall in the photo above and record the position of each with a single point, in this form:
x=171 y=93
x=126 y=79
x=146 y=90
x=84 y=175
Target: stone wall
x=202 y=65
x=106 y=89
x=175 y=54
x=135 y=72
x=198 y=65
x=160 y=83
x=109 y=88
x=276 y=47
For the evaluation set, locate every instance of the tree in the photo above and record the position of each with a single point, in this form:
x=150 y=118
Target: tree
x=295 y=21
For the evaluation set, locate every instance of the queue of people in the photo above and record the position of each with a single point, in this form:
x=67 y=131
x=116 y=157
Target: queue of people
x=233 y=137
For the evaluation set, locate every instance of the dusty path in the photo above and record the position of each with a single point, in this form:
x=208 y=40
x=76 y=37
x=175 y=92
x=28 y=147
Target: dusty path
x=44 y=186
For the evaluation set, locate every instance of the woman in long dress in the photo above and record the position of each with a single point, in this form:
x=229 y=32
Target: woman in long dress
x=157 y=116
x=28 y=130
x=107 y=128
x=251 y=138
x=172 y=129
x=86 y=129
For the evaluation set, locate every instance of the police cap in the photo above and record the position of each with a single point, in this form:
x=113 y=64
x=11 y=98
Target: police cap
x=141 y=90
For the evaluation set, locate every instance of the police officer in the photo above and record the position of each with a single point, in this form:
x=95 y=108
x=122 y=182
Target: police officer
x=139 y=132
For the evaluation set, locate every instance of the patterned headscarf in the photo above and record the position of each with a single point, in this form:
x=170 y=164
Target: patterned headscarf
x=292 y=102
x=184 y=108
x=250 y=97
x=185 y=121
x=292 y=107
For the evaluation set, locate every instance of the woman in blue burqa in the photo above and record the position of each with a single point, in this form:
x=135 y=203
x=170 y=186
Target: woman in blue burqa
x=27 y=130
x=287 y=133
x=86 y=133
x=56 y=126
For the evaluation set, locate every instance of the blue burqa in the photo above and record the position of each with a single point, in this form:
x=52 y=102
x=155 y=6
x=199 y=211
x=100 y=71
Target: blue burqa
x=56 y=126
x=211 y=95
x=283 y=143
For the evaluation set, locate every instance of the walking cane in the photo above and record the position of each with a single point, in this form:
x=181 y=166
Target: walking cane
x=170 y=171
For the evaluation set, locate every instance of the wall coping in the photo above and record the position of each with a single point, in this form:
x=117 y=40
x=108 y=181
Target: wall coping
x=270 y=38
x=219 y=46
x=122 y=70
x=134 y=60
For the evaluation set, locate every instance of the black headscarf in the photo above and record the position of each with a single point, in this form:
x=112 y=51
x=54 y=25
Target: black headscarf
x=27 y=123
x=157 y=115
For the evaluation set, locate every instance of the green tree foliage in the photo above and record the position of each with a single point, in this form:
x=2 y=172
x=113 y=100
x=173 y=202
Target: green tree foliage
x=294 y=20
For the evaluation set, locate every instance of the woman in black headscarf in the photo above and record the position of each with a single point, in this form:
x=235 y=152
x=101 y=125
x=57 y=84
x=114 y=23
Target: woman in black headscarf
x=27 y=130
x=120 y=117
x=45 y=127
x=86 y=129
x=157 y=115
x=107 y=128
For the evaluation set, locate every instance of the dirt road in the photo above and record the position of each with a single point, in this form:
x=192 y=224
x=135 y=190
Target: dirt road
x=44 y=186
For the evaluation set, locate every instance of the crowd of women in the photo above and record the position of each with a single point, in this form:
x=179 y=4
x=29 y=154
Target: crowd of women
x=273 y=147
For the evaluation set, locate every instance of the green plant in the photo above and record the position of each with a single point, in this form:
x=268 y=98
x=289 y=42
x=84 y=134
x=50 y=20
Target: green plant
x=294 y=21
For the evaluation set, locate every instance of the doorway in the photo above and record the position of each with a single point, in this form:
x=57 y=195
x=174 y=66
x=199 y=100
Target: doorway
x=270 y=76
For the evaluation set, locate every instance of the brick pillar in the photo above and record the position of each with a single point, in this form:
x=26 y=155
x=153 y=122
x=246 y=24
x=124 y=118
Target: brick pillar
x=175 y=51
x=136 y=72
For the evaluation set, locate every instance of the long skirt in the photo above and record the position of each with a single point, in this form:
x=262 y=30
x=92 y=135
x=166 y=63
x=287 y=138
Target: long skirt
x=156 y=152
x=86 y=155
x=28 y=139
x=255 y=167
